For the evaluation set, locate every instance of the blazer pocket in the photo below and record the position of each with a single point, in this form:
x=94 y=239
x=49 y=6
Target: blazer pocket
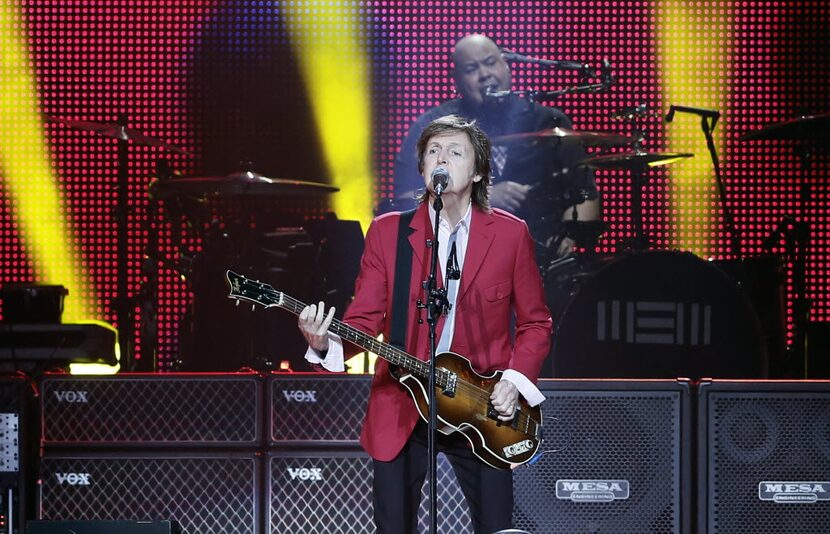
x=499 y=291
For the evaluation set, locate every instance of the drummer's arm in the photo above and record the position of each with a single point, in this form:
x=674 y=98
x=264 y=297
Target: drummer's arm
x=587 y=210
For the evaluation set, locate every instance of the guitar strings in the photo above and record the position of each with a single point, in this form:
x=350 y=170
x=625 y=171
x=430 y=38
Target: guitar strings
x=523 y=419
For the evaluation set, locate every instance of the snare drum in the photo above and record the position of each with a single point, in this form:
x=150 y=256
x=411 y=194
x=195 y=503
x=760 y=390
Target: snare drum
x=655 y=314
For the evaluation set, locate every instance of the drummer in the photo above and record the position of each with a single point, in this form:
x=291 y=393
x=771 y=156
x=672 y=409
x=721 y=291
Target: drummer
x=537 y=180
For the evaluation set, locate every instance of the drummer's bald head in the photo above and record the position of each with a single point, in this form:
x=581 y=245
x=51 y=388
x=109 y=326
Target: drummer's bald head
x=478 y=67
x=473 y=41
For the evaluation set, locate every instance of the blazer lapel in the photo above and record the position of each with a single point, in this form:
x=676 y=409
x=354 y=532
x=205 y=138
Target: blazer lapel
x=419 y=230
x=481 y=238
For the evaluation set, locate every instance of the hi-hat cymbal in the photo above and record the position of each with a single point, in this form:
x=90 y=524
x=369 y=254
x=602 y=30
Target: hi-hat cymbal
x=117 y=131
x=633 y=160
x=237 y=184
x=565 y=135
x=802 y=128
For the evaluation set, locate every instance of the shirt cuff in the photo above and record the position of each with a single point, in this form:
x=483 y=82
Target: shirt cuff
x=333 y=360
x=527 y=388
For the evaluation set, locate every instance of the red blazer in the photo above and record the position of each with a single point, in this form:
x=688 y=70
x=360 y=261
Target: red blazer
x=500 y=275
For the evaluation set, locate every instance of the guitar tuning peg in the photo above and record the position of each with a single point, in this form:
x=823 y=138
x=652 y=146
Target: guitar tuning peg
x=237 y=303
x=253 y=307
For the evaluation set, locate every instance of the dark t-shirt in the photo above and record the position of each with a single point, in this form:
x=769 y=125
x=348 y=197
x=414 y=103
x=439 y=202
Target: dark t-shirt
x=550 y=167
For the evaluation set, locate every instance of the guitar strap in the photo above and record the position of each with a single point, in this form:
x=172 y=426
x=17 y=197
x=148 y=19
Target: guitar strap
x=400 y=292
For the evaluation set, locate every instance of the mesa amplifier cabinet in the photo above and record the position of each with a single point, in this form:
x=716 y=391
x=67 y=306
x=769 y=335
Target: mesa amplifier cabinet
x=764 y=457
x=316 y=492
x=139 y=410
x=616 y=457
x=102 y=527
x=316 y=409
x=203 y=492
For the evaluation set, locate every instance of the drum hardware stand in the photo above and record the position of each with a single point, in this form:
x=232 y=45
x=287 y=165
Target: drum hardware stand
x=640 y=240
x=122 y=301
x=796 y=234
x=708 y=120
x=797 y=242
x=147 y=297
x=800 y=246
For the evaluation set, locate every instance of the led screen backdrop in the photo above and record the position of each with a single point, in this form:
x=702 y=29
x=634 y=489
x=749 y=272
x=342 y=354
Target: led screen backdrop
x=323 y=92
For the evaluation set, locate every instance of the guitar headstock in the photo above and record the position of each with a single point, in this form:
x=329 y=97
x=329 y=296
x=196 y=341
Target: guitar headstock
x=242 y=288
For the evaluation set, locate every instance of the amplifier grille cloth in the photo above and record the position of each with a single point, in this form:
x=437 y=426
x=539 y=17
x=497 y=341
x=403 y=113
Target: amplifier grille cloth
x=758 y=437
x=317 y=409
x=605 y=435
x=204 y=494
x=138 y=411
x=333 y=494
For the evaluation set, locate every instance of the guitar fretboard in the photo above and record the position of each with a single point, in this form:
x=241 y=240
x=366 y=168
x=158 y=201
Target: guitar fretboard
x=386 y=351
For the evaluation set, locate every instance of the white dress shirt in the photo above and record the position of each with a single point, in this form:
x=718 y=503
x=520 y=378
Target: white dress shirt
x=334 y=358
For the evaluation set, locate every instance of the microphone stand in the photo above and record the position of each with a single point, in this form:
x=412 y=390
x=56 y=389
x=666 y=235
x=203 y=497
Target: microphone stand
x=607 y=79
x=437 y=305
x=708 y=119
x=728 y=219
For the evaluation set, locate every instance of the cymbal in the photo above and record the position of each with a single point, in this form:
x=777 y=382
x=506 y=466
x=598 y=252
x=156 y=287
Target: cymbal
x=237 y=184
x=117 y=131
x=633 y=160
x=801 y=128
x=565 y=135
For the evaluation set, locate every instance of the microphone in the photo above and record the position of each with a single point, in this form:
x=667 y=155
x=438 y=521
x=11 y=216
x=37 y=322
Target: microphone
x=705 y=113
x=513 y=57
x=440 y=178
x=497 y=95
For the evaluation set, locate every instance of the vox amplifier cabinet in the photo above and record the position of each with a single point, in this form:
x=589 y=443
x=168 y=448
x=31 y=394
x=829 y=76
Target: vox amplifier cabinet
x=102 y=527
x=317 y=492
x=203 y=492
x=763 y=456
x=316 y=409
x=616 y=457
x=137 y=410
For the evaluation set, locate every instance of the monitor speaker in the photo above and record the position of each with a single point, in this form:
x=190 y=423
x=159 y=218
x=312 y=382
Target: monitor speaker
x=616 y=457
x=763 y=457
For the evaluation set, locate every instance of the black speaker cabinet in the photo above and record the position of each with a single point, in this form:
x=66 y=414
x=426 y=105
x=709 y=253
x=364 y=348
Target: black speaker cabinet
x=140 y=410
x=102 y=527
x=316 y=409
x=616 y=458
x=204 y=492
x=764 y=457
x=316 y=492
x=18 y=452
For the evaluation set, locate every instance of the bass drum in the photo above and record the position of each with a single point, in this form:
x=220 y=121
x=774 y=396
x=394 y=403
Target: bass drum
x=655 y=314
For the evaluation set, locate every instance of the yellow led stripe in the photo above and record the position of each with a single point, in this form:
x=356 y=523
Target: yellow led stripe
x=695 y=58
x=30 y=181
x=325 y=37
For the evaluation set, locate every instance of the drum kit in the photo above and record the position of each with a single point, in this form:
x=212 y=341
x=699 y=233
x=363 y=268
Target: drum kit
x=662 y=314
x=274 y=228
x=628 y=311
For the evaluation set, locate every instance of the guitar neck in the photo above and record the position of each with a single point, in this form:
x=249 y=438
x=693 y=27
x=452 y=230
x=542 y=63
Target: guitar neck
x=386 y=351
